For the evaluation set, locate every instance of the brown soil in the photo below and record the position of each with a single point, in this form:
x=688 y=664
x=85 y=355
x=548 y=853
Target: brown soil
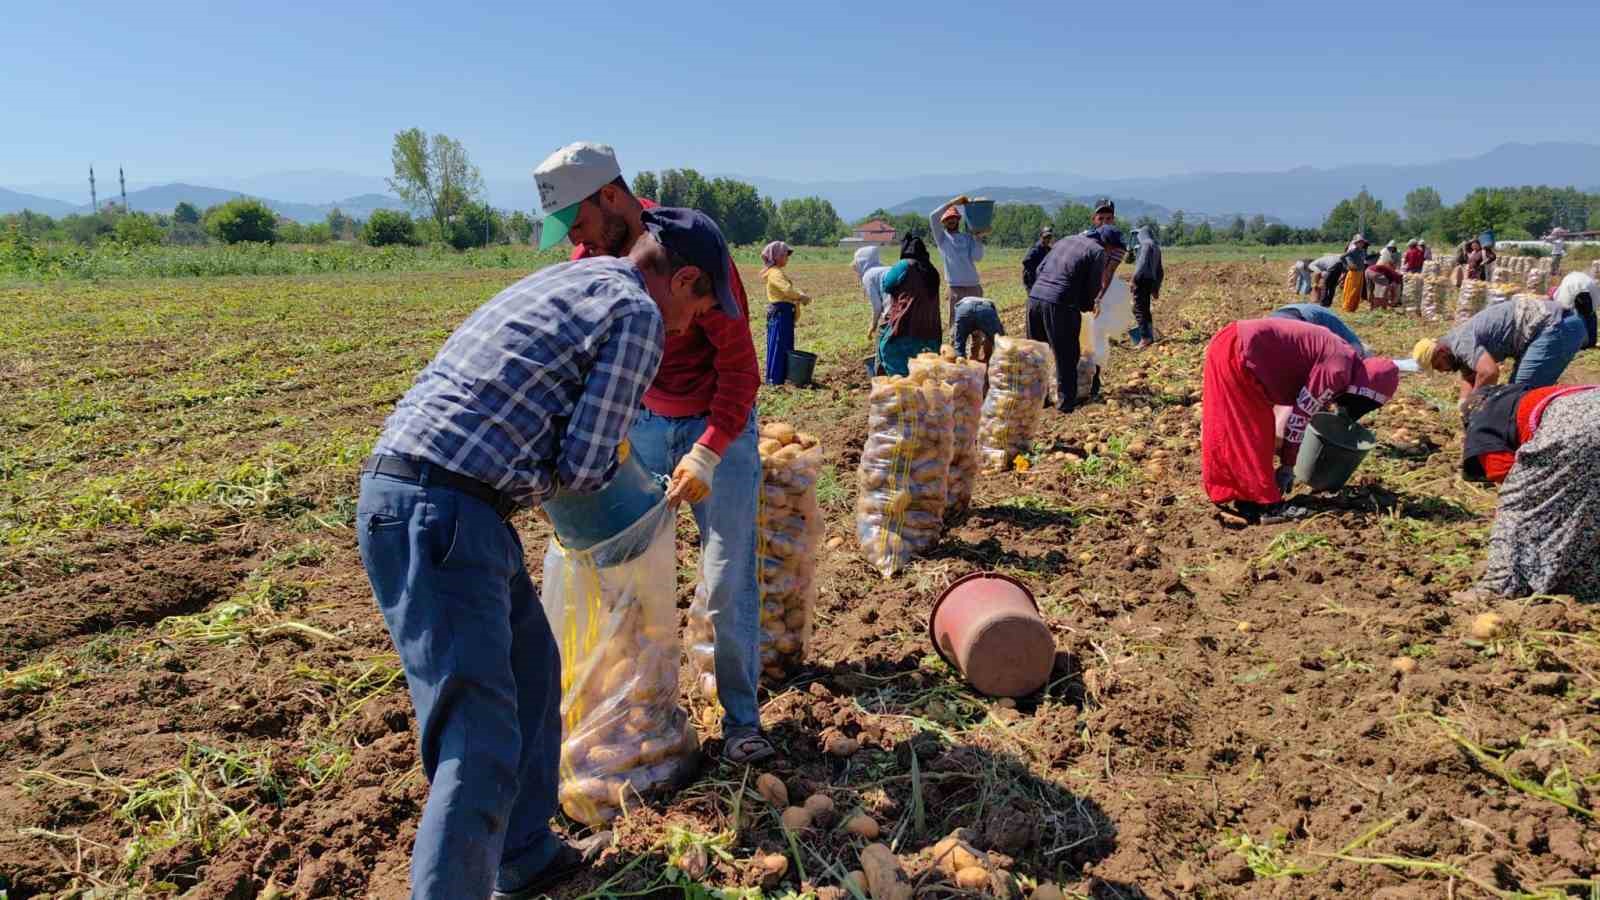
x=1213 y=685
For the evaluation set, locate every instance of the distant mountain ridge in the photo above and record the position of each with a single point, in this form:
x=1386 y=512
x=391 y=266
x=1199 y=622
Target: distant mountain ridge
x=1129 y=209
x=162 y=198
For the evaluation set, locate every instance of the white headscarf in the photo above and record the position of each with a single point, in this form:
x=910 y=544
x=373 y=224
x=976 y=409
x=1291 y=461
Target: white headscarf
x=866 y=258
x=1571 y=286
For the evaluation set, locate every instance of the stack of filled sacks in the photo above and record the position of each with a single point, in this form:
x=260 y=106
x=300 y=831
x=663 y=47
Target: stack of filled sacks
x=1538 y=281
x=966 y=379
x=789 y=531
x=1472 y=298
x=1411 y=292
x=1434 y=290
x=903 y=480
x=1021 y=374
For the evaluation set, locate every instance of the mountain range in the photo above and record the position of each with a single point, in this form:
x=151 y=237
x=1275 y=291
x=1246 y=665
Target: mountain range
x=1130 y=209
x=1301 y=196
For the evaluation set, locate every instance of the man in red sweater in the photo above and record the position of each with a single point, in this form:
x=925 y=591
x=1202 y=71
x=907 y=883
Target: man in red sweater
x=698 y=421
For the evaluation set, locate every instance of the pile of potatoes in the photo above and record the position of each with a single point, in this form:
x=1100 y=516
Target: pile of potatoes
x=903 y=480
x=1537 y=282
x=625 y=734
x=1020 y=375
x=1411 y=292
x=1434 y=290
x=789 y=529
x=966 y=378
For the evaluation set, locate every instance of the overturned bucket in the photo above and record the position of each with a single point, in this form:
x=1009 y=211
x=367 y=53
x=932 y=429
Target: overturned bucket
x=987 y=626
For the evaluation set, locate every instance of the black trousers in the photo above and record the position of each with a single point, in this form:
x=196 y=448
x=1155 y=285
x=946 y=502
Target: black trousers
x=1141 y=308
x=1058 y=324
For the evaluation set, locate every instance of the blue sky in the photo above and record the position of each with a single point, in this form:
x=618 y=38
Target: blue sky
x=803 y=90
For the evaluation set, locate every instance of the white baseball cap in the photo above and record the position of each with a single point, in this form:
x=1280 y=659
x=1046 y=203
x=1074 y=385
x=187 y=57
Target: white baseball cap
x=566 y=178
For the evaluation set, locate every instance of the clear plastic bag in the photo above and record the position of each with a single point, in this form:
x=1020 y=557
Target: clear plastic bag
x=966 y=379
x=789 y=530
x=1411 y=292
x=613 y=610
x=1471 y=299
x=1021 y=375
x=1433 y=292
x=903 y=480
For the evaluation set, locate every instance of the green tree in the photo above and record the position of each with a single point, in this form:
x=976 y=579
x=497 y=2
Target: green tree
x=1485 y=209
x=477 y=226
x=1275 y=234
x=242 y=219
x=1236 y=230
x=809 y=220
x=434 y=175
x=521 y=227
x=1422 y=209
x=1017 y=224
x=739 y=210
x=1072 y=218
x=1202 y=234
x=137 y=230
x=686 y=188
x=389 y=226
x=769 y=211
x=341 y=226
x=646 y=186
x=185 y=213
x=1177 y=229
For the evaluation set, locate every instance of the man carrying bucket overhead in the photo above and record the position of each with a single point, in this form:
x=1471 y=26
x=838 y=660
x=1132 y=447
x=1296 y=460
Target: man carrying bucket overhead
x=961 y=252
x=698 y=424
x=1256 y=364
x=533 y=393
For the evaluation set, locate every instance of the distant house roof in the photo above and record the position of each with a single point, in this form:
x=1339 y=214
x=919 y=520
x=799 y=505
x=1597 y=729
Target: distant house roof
x=875 y=231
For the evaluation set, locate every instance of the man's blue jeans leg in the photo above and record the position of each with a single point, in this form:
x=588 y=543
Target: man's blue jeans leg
x=484 y=675
x=1548 y=354
x=727 y=523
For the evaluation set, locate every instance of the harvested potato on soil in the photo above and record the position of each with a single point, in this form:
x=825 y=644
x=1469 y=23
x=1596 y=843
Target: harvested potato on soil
x=772 y=789
x=862 y=826
x=796 y=818
x=1487 y=626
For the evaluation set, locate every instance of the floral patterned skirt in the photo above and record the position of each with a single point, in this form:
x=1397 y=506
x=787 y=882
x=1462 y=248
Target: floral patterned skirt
x=1546 y=535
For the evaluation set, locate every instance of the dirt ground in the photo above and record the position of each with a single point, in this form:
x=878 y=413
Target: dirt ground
x=1228 y=716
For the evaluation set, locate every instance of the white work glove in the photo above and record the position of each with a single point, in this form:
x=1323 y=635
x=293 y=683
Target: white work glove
x=691 y=480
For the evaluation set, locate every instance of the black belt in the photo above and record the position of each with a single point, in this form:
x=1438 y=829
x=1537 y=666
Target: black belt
x=420 y=472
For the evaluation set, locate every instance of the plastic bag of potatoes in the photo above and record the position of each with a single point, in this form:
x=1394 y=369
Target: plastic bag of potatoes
x=1021 y=374
x=613 y=610
x=1471 y=299
x=902 y=482
x=966 y=378
x=789 y=530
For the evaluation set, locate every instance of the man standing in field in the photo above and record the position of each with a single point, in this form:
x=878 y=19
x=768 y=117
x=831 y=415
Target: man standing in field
x=1036 y=255
x=1105 y=214
x=1071 y=281
x=698 y=423
x=961 y=251
x=534 y=393
x=1147 y=277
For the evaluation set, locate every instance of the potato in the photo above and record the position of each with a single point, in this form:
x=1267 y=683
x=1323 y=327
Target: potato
x=972 y=878
x=841 y=746
x=795 y=818
x=768 y=446
x=773 y=790
x=1487 y=626
x=862 y=826
x=781 y=432
x=956 y=852
x=820 y=806
x=1404 y=665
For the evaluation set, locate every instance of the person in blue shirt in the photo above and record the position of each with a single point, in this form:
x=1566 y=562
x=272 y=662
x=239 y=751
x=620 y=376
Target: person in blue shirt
x=534 y=393
x=1036 y=255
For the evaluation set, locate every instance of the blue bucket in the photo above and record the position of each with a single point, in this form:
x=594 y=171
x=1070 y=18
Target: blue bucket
x=979 y=214
x=583 y=520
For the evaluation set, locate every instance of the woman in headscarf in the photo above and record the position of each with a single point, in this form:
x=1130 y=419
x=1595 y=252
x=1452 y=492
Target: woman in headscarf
x=1540 y=445
x=782 y=298
x=1577 y=292
x=869 y=271
x=911 y=322
x=1355 y=282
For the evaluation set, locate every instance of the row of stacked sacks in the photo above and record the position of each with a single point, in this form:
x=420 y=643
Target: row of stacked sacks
x=1471 y=299
x=789 y=531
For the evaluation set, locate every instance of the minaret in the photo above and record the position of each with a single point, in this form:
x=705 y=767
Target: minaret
x=94 y=201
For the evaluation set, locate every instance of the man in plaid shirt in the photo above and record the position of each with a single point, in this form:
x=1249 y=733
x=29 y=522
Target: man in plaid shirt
x=535 y=392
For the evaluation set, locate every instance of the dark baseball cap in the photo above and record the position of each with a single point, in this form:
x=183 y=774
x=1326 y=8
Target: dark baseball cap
x=691 y=235
x=1104 y=204
x=1108 y=236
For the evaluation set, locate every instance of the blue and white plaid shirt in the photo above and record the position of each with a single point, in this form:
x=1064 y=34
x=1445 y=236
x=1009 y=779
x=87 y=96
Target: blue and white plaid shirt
x=537 y=389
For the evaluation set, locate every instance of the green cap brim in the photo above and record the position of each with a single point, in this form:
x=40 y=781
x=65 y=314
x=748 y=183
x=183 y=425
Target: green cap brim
x=554 y=227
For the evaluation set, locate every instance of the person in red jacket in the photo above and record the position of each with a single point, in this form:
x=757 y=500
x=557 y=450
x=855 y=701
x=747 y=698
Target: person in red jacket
x=698 y=423
x=1540 y=444
x=1414 y=258
x=1254 y=365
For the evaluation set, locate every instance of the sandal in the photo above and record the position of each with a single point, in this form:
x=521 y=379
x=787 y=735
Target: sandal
x=747 y=746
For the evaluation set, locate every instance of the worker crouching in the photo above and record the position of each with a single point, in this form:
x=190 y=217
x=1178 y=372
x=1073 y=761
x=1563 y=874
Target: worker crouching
x=1254 y=365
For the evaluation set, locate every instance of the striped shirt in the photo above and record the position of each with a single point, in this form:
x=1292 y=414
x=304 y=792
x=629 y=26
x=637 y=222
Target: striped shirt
x=537 y=389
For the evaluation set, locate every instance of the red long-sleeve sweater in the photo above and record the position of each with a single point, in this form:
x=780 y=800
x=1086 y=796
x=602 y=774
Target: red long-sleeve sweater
x=709 y=370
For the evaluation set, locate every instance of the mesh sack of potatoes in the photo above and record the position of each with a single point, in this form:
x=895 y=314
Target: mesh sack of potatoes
x=903 y=480
x=789 y=530
x=1471 y=299
x=1411 y=292
x=966 y=408
x=1021 y=374
x=613 y=610
x=1433 y=290
x=1537 y=282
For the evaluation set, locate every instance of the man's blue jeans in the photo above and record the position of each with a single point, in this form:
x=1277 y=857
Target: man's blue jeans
x=727 y=522
x=484 y=674
x=1549 y=353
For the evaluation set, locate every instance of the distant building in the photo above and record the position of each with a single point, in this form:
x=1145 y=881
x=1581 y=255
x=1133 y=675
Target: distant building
x=873 y=231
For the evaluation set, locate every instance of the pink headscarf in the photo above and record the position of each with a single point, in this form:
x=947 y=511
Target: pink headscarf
x=774 y=253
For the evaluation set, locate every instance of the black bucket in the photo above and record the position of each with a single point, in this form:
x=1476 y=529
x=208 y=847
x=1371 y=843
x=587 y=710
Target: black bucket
x=802 y=366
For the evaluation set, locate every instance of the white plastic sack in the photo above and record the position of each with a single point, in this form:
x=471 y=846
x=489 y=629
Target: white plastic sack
x=613 y=610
